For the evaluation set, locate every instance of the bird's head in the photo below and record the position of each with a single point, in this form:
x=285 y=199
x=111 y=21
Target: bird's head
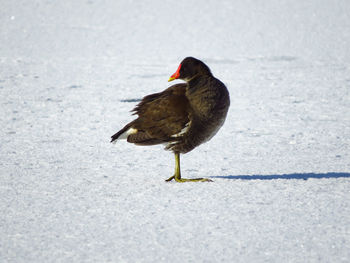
x=189 y=68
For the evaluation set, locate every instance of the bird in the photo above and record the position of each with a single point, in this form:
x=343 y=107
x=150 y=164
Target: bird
x=183 y=116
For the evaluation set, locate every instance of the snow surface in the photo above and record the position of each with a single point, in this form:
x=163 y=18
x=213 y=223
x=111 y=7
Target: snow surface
x=70 y=72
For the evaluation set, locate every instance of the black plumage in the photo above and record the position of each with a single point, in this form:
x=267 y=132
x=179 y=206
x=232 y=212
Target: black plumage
x=184 y=115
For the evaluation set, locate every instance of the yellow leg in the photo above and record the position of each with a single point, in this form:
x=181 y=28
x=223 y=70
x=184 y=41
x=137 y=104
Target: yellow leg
x=177 y=175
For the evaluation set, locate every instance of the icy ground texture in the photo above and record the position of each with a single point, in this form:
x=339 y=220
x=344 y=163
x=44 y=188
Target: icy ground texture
x=69 y=73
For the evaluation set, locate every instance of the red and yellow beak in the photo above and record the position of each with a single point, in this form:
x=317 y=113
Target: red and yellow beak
x=176 y=74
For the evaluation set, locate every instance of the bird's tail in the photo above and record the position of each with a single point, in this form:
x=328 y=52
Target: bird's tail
x=135 y=136
x=123 y=133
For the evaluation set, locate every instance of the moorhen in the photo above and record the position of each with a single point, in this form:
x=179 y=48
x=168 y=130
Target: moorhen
x=183 y=116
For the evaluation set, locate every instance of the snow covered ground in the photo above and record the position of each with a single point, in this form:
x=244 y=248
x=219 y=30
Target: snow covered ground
x=70 y=72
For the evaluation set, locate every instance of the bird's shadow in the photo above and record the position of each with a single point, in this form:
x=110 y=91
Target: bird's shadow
x=299 y=176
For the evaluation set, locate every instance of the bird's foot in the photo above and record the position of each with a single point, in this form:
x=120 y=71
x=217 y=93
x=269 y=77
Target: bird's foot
x=183 y=180
x=170 y=178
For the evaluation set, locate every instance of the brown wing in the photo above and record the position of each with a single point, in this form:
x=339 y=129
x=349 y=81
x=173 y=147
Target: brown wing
x=161 y=115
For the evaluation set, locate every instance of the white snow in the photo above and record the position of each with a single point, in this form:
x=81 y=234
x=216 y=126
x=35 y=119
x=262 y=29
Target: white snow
x=71 y=71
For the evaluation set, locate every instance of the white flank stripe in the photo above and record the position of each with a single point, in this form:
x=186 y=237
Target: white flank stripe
x=183 y=131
